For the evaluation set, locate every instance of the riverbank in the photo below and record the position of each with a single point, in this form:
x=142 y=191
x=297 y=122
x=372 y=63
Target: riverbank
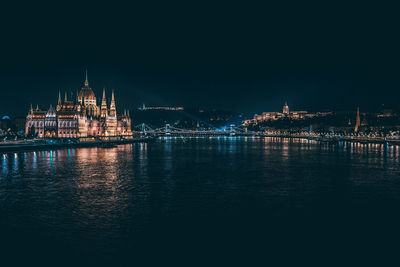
x=335 y=139
x=30 y=145
x=48 y=144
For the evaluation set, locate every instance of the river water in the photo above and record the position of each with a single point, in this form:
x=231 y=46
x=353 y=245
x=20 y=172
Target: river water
x=218 y=200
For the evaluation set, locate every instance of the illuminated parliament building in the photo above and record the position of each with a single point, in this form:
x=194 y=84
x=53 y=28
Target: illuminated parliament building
x=81 y=117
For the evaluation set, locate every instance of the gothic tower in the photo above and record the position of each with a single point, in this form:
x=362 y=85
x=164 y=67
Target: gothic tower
x=59 y=104
x=103 y=109
x=112 y=118
x=113 y=110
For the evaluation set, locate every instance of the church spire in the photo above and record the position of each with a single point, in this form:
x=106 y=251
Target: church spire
x=86 y=80
x=357 y=120
x=65 y=97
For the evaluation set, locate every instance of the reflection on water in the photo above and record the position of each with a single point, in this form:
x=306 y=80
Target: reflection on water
x=100 y=199
x=4 y=168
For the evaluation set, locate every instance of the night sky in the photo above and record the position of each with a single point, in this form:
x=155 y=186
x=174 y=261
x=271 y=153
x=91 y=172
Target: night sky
x=244 y=58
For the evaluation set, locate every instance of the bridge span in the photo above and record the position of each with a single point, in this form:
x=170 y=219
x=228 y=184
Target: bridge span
x=169 y=130
x=232 y=130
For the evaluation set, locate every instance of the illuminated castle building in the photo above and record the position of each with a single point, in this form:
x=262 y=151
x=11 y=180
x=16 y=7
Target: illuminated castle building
x=79 y=118
x=286 y=113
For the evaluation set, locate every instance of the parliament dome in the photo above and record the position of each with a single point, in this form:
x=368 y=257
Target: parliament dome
x=86 y=92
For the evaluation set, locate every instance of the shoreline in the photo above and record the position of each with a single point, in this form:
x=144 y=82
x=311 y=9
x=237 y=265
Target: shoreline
x=337 y=139
x=29 y=146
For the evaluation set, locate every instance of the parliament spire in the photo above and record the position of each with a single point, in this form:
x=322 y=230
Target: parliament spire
x=86 y=80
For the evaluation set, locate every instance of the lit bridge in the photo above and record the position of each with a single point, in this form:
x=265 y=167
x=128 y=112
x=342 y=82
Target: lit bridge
x=169 y=130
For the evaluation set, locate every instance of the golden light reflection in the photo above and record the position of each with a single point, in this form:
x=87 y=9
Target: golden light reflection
x=99 y=170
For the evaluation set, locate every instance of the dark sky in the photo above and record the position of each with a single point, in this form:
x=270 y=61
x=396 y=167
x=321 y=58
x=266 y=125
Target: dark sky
x=247 y=58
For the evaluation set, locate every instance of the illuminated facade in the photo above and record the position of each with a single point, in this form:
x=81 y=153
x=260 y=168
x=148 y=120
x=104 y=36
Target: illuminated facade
x=79 y=118
x=143 y=107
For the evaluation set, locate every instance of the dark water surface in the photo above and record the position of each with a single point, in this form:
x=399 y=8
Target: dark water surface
x=204 y=201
